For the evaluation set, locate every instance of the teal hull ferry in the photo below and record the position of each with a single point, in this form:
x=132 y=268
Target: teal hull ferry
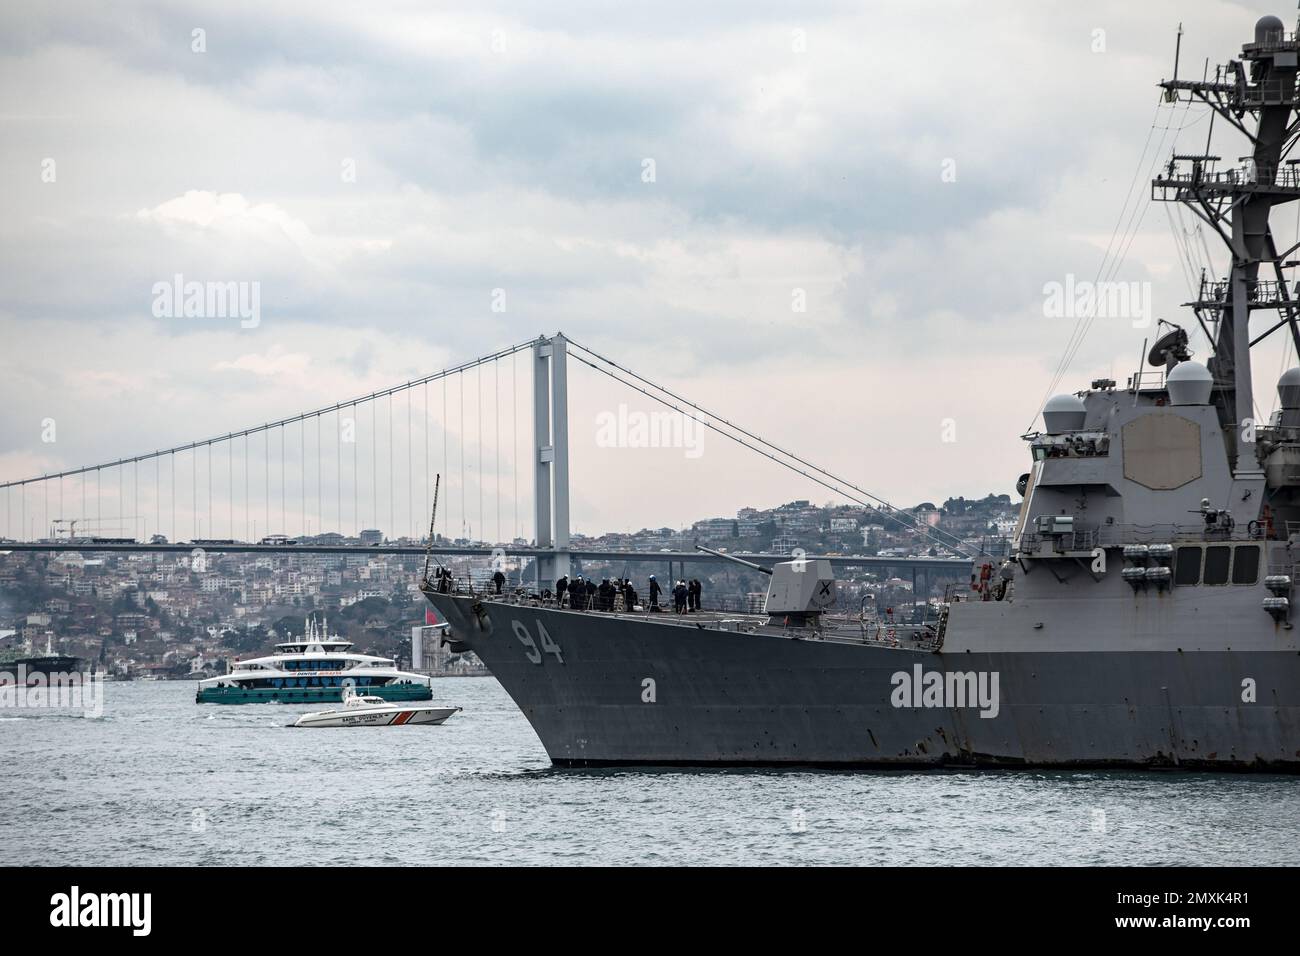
x=399 y=691
x=315 y=669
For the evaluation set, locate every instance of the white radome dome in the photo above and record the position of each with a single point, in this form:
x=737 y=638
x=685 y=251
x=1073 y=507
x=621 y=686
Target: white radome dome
x=1064 y=413
x=1189 y=383
x=1288 y=388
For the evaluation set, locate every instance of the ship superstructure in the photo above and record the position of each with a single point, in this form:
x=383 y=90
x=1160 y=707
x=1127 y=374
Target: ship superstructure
x=34 y=662
x=1144 y=618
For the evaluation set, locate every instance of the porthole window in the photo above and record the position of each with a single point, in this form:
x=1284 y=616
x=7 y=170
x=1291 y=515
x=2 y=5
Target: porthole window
x=1216 y=564
x=1245 y=565
x=1187 y=566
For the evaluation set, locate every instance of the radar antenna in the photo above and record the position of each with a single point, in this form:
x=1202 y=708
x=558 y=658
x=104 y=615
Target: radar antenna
x=1171 y=348
x=1256 y=96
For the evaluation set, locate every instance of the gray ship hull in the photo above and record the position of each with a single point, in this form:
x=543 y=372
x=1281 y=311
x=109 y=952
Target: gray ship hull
x=605 y=690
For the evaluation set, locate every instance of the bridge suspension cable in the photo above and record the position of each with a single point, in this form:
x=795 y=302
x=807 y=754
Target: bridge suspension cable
x=762 y=446
x=169 y=513
x=268 y=426
x=470 y=463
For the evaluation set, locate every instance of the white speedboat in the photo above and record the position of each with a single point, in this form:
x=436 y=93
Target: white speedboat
x=367 y=711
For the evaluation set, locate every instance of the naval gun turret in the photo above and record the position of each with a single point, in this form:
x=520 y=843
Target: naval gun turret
x=799 y=591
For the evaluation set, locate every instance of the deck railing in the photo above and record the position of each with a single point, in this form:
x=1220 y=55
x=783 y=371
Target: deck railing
x=883 y=632
x=1117 y=535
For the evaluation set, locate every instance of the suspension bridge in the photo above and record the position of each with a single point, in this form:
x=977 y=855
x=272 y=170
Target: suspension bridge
x=329 y=479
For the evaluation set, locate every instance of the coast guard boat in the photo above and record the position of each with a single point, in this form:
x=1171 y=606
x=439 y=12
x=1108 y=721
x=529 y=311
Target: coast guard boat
x=371 y=711
x=317 y=668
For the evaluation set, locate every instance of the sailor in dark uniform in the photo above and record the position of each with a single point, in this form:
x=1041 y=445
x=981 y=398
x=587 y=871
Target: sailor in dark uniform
x=679 y=597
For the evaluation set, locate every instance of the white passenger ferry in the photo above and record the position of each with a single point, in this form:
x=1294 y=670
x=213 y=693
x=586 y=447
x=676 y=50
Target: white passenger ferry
x=316 y=668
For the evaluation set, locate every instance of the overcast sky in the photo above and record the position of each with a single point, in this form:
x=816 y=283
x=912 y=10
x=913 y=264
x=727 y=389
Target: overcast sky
x=919 y=170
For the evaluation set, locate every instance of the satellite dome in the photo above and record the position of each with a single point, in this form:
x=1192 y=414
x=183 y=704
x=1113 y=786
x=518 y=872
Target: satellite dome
x=1288 y=388
x=1268 y=28
x=1190 y=383
x=1064 y=413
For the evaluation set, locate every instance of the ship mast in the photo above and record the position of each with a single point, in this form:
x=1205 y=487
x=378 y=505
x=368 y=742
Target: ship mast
x=1236 y=203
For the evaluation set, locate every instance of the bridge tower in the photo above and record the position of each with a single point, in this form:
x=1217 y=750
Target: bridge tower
x=551 y=455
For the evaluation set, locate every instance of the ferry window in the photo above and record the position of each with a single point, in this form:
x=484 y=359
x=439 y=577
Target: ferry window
x=1216 y=564
x=1245 y=564
x=1187 y=569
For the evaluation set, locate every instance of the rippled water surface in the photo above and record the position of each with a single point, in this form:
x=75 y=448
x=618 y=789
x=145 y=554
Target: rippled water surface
x=160 y=780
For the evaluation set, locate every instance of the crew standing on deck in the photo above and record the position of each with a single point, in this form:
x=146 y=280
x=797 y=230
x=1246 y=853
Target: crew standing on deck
x=561 y=586
x=498 y=580
x=695 y=588
x=679 y=597
x=655 y=591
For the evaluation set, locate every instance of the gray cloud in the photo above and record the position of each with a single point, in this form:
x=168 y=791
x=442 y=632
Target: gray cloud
x=501 y=146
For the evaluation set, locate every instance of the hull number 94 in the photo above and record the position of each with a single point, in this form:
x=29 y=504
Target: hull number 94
x=534 y=650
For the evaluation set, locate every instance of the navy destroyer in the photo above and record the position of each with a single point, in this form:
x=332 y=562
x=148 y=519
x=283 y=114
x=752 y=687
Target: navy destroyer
x=1142 y=620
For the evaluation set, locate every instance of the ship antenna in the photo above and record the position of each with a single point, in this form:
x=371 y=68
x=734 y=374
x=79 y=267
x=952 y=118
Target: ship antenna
x=1178 y=47
x=428 y=551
